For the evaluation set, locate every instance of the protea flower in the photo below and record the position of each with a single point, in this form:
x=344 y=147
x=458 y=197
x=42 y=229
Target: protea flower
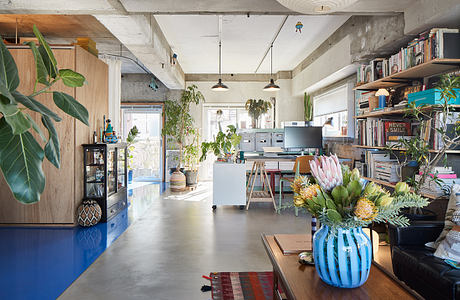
x=307 y=193
x=298 y=183
x=365 y=210
x=327 y=172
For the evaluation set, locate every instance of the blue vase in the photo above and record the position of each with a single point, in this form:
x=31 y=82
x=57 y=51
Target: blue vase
x=130 y=176
x=342 y=257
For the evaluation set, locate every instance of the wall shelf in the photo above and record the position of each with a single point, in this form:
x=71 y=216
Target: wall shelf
x=402 y=149
x=392 y=185
x=398 y=112
x=427 y=69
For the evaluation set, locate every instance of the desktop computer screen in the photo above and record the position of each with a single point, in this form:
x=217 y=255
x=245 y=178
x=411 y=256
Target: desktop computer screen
x=303 y=137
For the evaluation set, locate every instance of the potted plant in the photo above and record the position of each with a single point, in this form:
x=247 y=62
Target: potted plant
x=178 y=120
x=417 y=154
x=257 y=108
x=21 y=155
x=132 y=134
x=308 y=109
x=192 y=158
x=344 y=203
x=224 y=146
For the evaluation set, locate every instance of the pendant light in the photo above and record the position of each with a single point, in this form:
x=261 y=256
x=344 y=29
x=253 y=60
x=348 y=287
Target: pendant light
x=220 y=86
x=271 y=86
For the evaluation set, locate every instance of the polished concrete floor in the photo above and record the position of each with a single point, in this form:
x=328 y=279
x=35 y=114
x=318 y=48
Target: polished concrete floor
x=177 y=240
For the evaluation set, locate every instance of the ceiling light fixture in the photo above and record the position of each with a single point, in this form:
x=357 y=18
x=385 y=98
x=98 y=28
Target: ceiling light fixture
x=271 y=86
x=220 y=87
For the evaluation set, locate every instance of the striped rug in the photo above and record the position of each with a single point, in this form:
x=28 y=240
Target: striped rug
x=242 y=285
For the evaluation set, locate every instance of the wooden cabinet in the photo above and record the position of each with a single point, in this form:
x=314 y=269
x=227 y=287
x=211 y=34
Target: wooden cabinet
x=64 y=187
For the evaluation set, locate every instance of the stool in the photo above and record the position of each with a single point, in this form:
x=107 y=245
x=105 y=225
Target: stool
x=273 y=173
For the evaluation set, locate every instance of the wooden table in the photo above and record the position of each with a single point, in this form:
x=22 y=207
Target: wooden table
x=258 y=168
x=302 y=282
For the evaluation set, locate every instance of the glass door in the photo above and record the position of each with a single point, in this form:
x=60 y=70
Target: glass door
x=94 y=173
x=111 y=172
x=121 y=169
x=146 y=163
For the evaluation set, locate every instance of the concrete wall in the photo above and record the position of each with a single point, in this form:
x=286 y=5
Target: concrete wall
x=135 y=88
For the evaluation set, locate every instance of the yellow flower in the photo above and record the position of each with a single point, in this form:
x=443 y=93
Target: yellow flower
x=298 y=201
x=365 y=210
x=385 y=200
x=297 y=184
x=307 y=193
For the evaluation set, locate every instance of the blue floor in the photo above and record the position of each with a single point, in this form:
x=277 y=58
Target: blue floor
x=40 y=263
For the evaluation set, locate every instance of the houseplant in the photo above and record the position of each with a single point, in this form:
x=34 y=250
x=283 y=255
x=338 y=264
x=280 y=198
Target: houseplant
x=343 y=202
x=224 y=146
x=178 y=121
x=192 y=158
x=256 y=108
x=308 y=109
x=417 y=149
x=132 y=134
x=21 y=154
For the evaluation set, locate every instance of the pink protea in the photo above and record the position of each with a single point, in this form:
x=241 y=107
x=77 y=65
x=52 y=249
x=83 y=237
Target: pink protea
x=327 y=172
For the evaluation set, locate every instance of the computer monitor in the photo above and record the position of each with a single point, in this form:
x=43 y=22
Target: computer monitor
x=303 y=137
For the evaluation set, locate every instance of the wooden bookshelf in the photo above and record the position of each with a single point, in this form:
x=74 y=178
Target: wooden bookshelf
x=427 y=69
x=402 y=149
x=402 y=111
x=392 y=185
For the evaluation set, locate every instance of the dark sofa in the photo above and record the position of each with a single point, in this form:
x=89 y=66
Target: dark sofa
x=415 y=264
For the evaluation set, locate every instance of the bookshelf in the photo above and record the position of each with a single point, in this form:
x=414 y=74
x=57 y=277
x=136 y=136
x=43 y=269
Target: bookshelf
x=396 y=112
x=402 y=149
x=405 y=77
x=392 y=185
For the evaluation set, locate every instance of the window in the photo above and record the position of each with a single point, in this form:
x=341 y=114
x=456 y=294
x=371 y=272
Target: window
x=334 y=105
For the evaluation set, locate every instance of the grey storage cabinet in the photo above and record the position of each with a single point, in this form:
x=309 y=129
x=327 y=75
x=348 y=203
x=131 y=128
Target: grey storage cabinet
x=248 y=141
x=278 y=139
x=263 y=139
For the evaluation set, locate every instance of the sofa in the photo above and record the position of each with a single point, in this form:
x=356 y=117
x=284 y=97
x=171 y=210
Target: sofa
x=415 y=264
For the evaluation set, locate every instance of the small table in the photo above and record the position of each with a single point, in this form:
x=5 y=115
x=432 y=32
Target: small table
x=302 y=282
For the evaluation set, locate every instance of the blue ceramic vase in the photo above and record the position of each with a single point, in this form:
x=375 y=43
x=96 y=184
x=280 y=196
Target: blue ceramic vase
x=342 y=257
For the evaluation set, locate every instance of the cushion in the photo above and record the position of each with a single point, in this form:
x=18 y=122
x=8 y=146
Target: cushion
x=451 y=208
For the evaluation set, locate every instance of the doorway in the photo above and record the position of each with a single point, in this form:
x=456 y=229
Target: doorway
x=146 y=153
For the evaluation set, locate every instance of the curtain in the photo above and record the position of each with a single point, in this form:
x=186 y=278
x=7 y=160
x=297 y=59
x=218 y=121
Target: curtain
x=114 y=91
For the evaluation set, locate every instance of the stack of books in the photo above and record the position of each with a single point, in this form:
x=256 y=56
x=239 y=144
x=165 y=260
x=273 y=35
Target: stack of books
x=387 y=171
x=446 y=178
x=363 y=102
x=381 y=132
x=372 y=158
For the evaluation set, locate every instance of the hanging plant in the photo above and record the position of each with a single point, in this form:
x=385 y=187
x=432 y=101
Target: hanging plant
x=21 y=155
x=256 y=108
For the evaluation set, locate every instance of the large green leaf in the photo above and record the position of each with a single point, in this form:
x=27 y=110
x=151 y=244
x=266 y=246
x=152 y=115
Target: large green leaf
x=71 y=106
x=8 y=69
x=14 y=117
x=34 y=105
x=52 y=148
x=40 y=68
x=47 y=55
x=6 y=93
x=35 y=127
x=21 y=159
x=71 y=78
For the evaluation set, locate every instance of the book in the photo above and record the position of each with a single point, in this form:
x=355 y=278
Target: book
x=396 y=129
x=293 y=243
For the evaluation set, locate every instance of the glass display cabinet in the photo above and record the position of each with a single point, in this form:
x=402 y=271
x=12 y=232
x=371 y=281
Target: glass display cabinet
x=105 y=177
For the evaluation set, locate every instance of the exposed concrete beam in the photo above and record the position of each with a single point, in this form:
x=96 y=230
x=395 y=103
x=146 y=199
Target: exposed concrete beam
x=81 y=7
x=238 y=77
x=425 y=14
x=143 y=37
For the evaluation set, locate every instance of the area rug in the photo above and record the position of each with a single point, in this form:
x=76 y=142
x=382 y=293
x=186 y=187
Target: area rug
x=242 y=285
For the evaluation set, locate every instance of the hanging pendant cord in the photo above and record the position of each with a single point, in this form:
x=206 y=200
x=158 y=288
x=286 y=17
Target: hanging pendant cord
x=220 y=59
x=271 y=60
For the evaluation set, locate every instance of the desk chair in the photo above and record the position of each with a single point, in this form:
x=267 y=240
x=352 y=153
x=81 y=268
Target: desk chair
x=301 y=167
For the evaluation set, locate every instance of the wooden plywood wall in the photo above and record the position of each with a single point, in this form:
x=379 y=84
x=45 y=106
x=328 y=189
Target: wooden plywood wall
x=64 y=187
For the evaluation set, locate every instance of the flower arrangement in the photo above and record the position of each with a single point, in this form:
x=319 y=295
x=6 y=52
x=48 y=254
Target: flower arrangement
x=339 y=197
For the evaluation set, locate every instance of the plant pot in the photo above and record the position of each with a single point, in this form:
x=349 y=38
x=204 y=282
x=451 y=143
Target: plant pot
x=89 y=213
x=426 y=215
x=342 y=258
x=191 y=178
x=177 y=182
x=130 y=176
x=308 y=123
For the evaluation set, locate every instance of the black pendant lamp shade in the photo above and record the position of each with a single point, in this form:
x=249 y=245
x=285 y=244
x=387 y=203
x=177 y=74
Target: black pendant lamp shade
x=271 y=86
x=220 y=87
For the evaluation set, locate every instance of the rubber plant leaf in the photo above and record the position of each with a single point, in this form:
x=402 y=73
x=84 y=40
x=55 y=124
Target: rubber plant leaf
x=40 y=68
x=8 y=69
x=71 y=106
x=52 y=147
x=71 y=78
x=47 y=55
x=13 y=116
x=21 y=159
x=34 y=105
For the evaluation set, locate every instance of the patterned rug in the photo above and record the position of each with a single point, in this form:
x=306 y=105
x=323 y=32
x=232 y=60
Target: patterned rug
x=242 y=285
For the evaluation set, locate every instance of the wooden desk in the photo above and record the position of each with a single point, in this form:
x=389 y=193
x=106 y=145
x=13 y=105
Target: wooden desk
x=258 y=168
x=302 y=282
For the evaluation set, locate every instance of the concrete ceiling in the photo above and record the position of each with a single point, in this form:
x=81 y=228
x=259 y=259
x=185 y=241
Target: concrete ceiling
x=244 y=40
x=64 y=29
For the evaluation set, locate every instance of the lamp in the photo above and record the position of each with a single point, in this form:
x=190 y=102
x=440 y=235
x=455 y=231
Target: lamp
x=328 y=122
x=220 y=87
x=271 y=86
x=382 y=94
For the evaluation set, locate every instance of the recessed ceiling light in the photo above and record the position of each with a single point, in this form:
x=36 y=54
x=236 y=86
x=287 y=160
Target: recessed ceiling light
x=322 y=9
x=317 y=6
